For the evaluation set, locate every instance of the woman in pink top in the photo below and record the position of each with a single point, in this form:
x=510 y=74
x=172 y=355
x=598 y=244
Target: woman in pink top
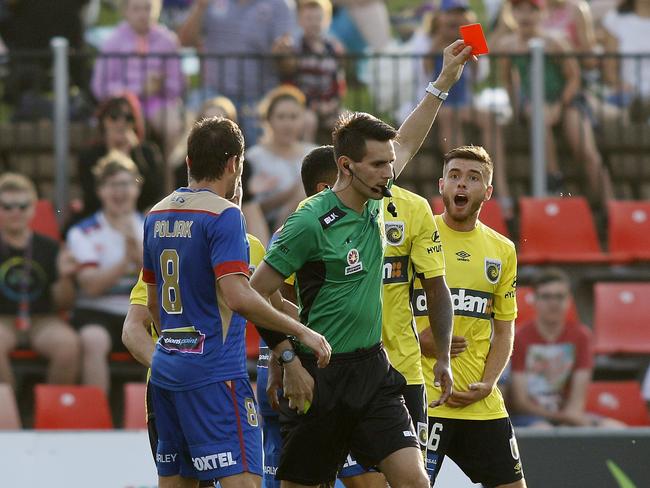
x=572 y=20
x=141 y=56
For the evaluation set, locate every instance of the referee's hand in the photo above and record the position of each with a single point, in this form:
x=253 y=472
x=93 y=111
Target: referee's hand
x=444 y=380
x=318 y=344
x=297 y=386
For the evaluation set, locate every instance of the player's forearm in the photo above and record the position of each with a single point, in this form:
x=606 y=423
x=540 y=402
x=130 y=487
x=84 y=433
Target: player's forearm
x=135 y=336
x=500 y=351
x=262 y=314
x=441 y=316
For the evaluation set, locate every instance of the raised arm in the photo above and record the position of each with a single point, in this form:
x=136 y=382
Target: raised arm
x=189 y=32
x=417 y=125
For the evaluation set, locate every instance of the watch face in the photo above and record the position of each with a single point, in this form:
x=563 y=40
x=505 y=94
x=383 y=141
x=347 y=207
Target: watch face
x=287 y=355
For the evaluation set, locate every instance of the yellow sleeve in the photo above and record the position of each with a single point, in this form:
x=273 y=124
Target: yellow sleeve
x=139 y=293
x=426 y=250
x=505 y=303
x=291 y=280
x=256 y=250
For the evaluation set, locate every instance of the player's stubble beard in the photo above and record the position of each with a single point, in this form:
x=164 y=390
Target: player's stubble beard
x=230 y=194
x=474 y=208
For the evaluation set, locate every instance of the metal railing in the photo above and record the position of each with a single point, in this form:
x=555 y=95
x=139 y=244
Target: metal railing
x=384 y=84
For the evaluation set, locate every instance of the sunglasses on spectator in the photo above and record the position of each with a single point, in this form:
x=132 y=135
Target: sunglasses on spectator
x=118 y=113
x=9 y=206
x=547 y=297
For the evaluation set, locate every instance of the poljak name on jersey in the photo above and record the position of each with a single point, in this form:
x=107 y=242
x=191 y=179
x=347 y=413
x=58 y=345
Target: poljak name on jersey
x=181 y=228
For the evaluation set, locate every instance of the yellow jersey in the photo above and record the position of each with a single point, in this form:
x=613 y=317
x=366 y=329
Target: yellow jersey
x=411 y=249
x=482 y=276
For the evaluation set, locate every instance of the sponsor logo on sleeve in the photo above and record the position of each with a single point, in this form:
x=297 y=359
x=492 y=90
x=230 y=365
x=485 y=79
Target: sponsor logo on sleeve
x=331 y=217
x=395 y=269
x=395 y=231
x=492 y=270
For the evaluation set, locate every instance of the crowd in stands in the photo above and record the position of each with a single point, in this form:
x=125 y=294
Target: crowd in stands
x=282 y=69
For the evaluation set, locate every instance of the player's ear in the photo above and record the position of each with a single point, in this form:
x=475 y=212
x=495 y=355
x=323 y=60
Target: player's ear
x=488 y=193
x=321 y=186
x=231 y=164
x=441 y=184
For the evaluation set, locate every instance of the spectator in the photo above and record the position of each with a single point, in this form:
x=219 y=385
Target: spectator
x=237 y=36
x=276 y=160
x=626 y=28
x=30 y=25
x=571 y=20
x=121 y=128
x=223 y=107
x=108 y=247
x=35 y=285
x=316 y=71
x=140 y=56
x=458 y=109
x=552 y=362
x=367 y=18
x=564 y=102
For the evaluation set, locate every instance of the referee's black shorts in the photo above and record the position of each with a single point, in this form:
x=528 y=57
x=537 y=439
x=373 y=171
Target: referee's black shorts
x=357 y=408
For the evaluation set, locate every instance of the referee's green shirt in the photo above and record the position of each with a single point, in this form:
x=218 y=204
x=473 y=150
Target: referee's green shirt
x=337 y=255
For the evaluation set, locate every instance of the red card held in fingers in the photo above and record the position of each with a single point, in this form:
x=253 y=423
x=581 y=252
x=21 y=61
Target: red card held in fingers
x=472 y=35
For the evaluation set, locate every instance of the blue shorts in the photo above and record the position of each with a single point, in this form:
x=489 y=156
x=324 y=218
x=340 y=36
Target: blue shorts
x=208 y=433
x=272 y=448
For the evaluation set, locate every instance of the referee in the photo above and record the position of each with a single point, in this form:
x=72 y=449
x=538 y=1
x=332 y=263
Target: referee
x=335 y=244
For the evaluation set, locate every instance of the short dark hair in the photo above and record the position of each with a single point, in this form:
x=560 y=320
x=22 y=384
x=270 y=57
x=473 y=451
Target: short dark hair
x=353 y=129
x=210 y=144
x=318 y=166
x=550 y=275
x=473 y=153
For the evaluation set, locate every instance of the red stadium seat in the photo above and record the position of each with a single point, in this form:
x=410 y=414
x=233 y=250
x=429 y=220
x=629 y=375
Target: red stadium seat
x=252 y=342
x=629 y=230
x=9 y=418
x=44 y=221
x=526 y=308
x=491 y=214
x=135 y=415
x=71 y=407
x=620 y=400
x=622 y=318
x=557 y=230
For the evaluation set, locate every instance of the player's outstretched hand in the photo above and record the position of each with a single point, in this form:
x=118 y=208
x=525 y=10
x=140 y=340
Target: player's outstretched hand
x=318 y=344
x=444 y=380
x=298 y=386
x=274 y=382
x=454 y=58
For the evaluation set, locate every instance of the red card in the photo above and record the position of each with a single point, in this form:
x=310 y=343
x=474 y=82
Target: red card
x=472 y=35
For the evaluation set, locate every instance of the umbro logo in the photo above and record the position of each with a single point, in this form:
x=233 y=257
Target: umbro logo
x=463 y=255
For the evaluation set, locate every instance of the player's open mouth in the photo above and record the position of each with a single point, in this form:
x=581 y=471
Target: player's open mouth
x=461 y=200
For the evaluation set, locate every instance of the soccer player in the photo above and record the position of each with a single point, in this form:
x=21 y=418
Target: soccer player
x=318 y=172
x=140 y=336
x=473 y=427
x=411 y=250
x=334 y=244
x=196 y=267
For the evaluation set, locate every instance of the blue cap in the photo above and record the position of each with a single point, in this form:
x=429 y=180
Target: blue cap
x=447 y=5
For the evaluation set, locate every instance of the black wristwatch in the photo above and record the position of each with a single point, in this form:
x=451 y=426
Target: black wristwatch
x=287 y=356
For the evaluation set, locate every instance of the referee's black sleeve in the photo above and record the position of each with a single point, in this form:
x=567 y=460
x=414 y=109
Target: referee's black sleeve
x=271 y=337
